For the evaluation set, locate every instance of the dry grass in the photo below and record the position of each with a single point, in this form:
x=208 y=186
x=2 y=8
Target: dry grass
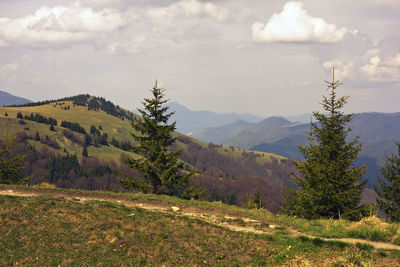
x=371 y=222
x=50 y=230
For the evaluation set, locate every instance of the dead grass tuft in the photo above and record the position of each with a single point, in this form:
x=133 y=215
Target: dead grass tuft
x=370 y=222
x=299 y=262
x=45 y=185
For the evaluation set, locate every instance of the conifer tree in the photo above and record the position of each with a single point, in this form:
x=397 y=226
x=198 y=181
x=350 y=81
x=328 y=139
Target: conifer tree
x=11 y=162
x=330 y=185
x=85 y=152
x=37 y=136
x=388 y=193
x=161 y=169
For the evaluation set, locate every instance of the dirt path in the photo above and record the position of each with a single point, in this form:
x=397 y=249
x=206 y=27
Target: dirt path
x=240 y=224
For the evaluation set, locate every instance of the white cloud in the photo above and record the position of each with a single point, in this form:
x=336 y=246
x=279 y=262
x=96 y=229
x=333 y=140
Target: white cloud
x=60 y=24
x=8 y=72
x=136 y=45
x=389 y=3
x=294 y=24
x=3 y=44
x=342 y=70
x=101 y=3
x=383 y=70
x=190 y=8
x=373 y=52
x=8 y=68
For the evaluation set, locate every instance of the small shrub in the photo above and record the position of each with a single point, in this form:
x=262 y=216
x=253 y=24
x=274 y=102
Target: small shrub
x=51 y=142
x=71 y=136
x=356 y=256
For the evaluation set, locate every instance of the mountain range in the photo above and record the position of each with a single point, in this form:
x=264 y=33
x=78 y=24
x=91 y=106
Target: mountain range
x=189 y=121
x=378 y=133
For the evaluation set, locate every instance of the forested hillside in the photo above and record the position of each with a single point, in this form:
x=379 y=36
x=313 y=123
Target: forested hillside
x=54 y=134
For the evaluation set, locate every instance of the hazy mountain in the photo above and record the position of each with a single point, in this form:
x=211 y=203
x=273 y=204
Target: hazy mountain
x=378 y=133
x=299 y=118
x=247 y=135
x=189 y=121
x=271 y=122
x=285 y=147
x=219 y=134
x=7 y=99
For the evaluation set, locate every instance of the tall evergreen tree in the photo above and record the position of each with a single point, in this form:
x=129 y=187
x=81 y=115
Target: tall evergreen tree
x=388 y=193
x=330 y=185
x=11 y=162
x=161 y=169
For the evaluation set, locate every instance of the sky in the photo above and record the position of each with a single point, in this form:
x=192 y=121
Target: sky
x=264 y=57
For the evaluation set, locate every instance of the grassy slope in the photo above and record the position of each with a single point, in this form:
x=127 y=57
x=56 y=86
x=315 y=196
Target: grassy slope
x=114 y=127
x=50 y=230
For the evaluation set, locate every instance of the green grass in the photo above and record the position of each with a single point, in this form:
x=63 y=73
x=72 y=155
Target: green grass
x=262 y=157
x=370 y=228
x=46 y=230
x=49 y=230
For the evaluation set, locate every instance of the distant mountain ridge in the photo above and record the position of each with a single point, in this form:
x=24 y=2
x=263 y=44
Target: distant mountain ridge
x=195 y=122
x=246 y=135
x=7 y=99
x=378 y=133
x=188 y=121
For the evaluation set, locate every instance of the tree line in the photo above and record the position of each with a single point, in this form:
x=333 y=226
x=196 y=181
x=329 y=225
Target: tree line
x=38 y=118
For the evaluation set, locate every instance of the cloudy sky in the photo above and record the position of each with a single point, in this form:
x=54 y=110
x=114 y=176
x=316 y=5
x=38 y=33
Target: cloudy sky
x=266 y=57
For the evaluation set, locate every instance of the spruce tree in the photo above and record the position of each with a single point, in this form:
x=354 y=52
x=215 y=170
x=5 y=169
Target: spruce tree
x=37 y=136
x=388 y=193
x=329 y=184
x=161 y=169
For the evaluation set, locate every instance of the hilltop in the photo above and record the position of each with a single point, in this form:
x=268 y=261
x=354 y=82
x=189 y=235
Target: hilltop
x=228 y=174
x=68 y=227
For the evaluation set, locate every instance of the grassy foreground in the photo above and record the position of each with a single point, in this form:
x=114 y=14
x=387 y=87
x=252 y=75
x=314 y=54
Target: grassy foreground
x=49 y=230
